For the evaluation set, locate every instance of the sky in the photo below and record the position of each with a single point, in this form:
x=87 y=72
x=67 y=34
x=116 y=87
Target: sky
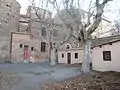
x=111 y=11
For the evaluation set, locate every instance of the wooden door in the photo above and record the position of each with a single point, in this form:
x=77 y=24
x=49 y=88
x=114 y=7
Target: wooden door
x=69 y=58
x=26 y=52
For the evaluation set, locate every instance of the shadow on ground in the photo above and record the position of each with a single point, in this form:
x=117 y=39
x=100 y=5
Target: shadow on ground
x=34 y=74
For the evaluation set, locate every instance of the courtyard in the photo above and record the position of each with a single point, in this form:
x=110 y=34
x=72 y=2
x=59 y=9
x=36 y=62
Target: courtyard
x=31 y=76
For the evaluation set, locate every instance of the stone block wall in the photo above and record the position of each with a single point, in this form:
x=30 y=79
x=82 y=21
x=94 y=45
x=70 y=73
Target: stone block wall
x=9 y=22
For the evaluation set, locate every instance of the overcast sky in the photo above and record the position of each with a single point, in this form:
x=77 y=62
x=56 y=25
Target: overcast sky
x=111 y=11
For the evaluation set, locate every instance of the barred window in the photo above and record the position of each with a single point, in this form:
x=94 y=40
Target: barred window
x=107 y=55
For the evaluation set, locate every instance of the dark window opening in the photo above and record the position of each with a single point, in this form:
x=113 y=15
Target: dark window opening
x=43 y=46
x=32 y=48
x=62 y=55
x=68 y=46
x=13 y=16
x=8 y=5
x=43 y=32
x=107 y=55
x=76 y=55
x=21 y=45
x=6 y=22
x=79 y=39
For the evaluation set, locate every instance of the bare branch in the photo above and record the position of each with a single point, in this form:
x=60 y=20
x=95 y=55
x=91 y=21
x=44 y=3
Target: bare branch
x=99 y=9
x=65 y=40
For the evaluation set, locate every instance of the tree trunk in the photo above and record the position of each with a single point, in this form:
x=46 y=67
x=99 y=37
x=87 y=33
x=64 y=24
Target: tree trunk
x=53 y=56
x=86 y=58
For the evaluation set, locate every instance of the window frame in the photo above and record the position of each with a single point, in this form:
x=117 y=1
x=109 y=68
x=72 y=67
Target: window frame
x=43 y=47
x=32 y=48
x=62 y=55
x=76 y=55
x=106 y=55
x=21 y=45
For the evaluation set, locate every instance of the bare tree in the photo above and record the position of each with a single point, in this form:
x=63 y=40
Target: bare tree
x=117 y=27
x=41 y=18
x=85 y=30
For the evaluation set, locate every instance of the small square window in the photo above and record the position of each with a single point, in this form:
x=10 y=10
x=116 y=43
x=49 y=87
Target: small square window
x=20 y=45
x=76 y=55
x=62 y=55
x=107 y=55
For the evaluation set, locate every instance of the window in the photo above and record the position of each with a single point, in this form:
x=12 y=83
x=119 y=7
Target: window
x=76 y=55
x=20 y=45
x=68 y=46
x=62 y=55
x=5 y=21
x=32 y=48
x=43 y=46
x=43 y=32
x=107 y=55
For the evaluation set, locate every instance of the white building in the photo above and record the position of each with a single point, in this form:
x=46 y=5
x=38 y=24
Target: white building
x=106 y=54
x=70 y=52
x=70 y=56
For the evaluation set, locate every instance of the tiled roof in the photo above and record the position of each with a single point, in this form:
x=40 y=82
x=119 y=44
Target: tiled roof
x=105 y=40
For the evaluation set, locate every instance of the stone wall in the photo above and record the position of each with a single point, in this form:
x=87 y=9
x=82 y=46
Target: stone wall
x=9 y=22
